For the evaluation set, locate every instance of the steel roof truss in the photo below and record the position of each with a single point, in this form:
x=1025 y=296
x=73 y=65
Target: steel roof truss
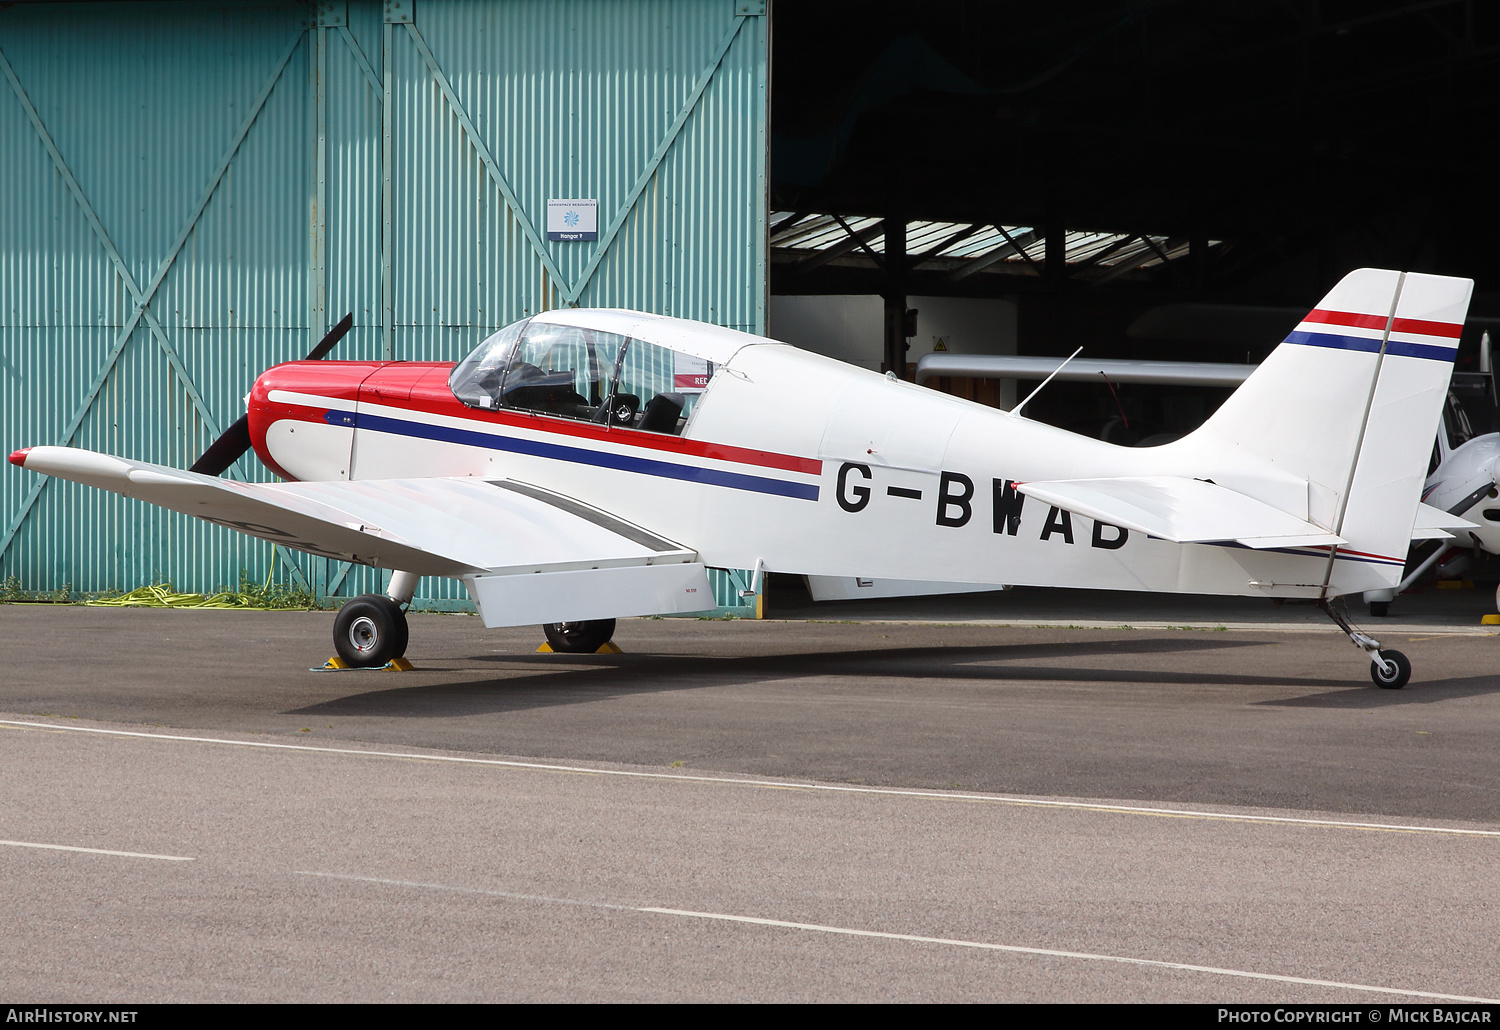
x=879 y=263
x=964 y=233
x=857 y=238
x=1013 y=245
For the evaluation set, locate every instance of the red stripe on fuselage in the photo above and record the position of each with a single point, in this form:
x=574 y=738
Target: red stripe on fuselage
x=1418 y=326
x=413 y=386
x=1352 y=551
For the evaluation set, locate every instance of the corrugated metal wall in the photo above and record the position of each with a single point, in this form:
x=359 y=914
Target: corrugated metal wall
x=195 y=192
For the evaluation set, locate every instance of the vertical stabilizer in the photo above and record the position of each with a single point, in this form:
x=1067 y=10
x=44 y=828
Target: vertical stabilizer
x=1350 y=402
x=1403 y=420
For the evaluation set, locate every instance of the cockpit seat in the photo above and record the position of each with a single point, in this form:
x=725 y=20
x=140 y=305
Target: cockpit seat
x=529 y=387
x=662 y=413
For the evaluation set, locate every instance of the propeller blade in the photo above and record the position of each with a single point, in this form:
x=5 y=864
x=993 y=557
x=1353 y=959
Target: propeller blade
x=335 y=334
x=224 y=451
x=235 y=440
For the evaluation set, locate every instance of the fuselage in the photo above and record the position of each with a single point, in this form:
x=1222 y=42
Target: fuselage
x=806 y=464
x=1467 y=483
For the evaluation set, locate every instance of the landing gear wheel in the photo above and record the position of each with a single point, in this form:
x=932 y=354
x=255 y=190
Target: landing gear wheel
x=370 y=631
x=579 y=637
x=1380 y=609
x=1392 y=670
x=403 y=631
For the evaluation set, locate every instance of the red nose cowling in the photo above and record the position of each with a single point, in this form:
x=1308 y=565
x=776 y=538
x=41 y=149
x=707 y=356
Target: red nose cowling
x=296 y=391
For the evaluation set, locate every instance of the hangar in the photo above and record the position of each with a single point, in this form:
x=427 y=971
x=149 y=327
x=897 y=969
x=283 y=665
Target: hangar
x=196 y=191
x=199 y=189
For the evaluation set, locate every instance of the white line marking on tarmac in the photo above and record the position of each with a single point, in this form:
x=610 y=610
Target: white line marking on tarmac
x=93 y=851
x=1312 y=625
x=1014 y=949
x=473 y=890
x=831 y=788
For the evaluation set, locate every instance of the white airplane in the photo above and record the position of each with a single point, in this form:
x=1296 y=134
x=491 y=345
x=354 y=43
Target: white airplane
x=1463 y=474
x=583 y=465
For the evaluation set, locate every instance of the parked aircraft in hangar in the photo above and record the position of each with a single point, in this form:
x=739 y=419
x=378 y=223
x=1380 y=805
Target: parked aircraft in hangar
x=583 y=465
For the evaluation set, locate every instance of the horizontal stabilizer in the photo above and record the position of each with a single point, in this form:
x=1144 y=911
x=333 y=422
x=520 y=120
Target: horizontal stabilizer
x=1184 y=511
x=1437 y=524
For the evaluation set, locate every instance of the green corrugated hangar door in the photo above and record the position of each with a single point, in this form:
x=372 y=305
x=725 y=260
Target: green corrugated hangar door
x=195 y=192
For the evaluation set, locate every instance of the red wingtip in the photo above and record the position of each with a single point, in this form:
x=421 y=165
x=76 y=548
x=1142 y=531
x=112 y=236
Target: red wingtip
x=19 y=457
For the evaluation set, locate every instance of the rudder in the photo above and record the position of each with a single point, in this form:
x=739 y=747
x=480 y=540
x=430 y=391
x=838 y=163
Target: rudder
x=1404 y=416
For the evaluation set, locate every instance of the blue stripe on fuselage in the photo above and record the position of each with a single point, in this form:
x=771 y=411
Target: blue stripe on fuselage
x=1364 y=343
x=583 y=456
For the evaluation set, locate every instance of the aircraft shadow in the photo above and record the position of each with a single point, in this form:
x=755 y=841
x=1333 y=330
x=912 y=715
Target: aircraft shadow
x=590 y=678
x=1418 y=692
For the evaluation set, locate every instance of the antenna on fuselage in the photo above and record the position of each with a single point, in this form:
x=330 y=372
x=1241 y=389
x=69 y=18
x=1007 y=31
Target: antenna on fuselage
x=1017 y=409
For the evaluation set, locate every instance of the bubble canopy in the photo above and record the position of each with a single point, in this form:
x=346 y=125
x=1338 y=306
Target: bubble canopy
x=621 y=368
x=700 y=339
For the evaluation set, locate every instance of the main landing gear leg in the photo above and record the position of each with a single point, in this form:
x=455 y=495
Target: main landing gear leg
x=371 y=630
x=403 y=585
x=1389 y=669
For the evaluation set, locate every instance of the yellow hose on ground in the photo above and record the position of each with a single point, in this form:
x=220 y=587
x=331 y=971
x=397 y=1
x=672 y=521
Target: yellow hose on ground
x=161 y=596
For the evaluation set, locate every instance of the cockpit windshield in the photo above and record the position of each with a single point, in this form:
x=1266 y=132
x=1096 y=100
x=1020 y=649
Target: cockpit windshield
x=476 y=379
x=587 y=374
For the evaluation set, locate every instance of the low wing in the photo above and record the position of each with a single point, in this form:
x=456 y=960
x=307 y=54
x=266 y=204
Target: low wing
x=1184 y=511
x=1437 y=524
x=528 y=555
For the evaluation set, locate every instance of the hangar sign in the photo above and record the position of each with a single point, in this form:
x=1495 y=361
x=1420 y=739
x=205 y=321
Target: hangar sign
x=573 y=220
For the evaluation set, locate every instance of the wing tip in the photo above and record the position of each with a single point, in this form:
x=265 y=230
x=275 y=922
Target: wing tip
x=18 y=458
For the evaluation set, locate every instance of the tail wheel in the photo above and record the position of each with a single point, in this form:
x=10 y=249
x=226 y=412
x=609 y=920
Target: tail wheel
x=579 y=637
x=370 y=631
x=1391 y=670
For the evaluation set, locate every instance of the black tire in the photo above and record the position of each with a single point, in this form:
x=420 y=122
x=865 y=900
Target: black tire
x=1392 y=671
x=579 y=637
x=1380 y=609
x=403 y=631
x=370 y=631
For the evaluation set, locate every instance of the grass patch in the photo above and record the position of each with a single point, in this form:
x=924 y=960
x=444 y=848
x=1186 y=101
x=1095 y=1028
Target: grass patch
x=11 y=591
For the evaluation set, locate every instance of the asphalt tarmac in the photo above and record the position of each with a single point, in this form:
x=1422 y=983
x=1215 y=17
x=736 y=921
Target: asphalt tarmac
x=851 y=809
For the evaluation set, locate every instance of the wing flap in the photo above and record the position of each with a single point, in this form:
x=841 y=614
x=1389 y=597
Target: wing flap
x=582 y=594
x=431 y=527
x=1184 y=511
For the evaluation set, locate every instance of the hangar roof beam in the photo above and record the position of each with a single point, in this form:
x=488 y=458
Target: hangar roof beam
x=1013 y=246
x=857 y=238
x=805 y=242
